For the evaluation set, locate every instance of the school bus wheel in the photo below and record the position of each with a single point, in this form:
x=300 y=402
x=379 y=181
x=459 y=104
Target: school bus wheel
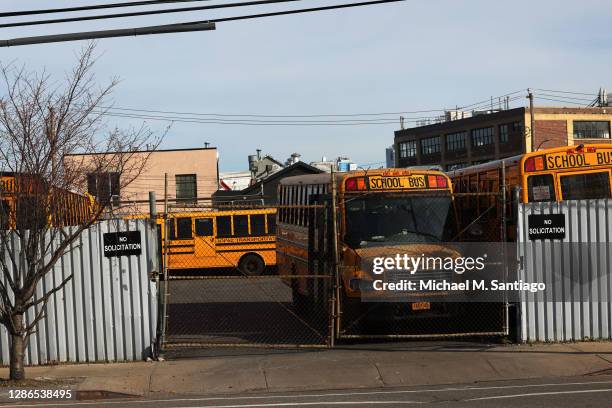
x=251 y=264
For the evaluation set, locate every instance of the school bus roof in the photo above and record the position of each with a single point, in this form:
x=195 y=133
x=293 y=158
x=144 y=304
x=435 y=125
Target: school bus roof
x=325 y=178
x=515 y=160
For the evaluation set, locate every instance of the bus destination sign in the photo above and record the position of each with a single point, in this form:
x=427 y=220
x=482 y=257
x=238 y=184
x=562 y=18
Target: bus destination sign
x=546 y=226
x=396 y=182
x=122 y=244
x=568 y=161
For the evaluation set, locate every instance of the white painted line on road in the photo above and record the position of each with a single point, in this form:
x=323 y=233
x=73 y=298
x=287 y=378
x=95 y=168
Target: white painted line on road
x=330 y=394
x=535 y=394
x=297 y=404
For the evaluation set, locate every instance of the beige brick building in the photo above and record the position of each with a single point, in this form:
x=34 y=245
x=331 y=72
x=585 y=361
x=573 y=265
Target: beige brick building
x=193 y=177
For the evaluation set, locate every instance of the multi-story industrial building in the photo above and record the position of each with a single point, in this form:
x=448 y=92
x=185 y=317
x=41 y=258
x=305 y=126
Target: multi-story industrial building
x=490 y=135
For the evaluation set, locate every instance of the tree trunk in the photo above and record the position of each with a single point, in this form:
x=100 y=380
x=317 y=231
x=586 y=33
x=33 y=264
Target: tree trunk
x=17 y=371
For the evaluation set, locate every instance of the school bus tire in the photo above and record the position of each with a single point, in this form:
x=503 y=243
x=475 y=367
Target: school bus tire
x=251 y=265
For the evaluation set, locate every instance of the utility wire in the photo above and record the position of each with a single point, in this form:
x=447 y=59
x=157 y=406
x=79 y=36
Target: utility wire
x=143 y=13
x=566 y=97
x=565 y=92
x=221 y=122
x=94 y=7
x=127 y=110
x=178 y=27
x=256 y=120
x=558 y=100
x=307 y=10
x=274 y=116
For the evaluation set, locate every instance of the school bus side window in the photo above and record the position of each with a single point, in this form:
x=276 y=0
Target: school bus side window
x=271 y=224
x=224 y=226
x=241 y=225
x=204 y=227
x=183 y=228
x=258 y=225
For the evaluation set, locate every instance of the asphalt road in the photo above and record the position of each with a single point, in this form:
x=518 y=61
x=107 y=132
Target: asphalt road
x=592 y=391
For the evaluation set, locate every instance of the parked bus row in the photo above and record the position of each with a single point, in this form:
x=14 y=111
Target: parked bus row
x=385 y=212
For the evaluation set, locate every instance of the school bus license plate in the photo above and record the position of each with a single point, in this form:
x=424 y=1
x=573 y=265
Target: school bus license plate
x=420 y=306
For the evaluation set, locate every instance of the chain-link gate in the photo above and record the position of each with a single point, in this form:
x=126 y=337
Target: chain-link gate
x=294 y=275
x=479 y=220
x=224 y=287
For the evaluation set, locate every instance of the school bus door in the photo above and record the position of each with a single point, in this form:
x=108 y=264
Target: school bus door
x=204 y=235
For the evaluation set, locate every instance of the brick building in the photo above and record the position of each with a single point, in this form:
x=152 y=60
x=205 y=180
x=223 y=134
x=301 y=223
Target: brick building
x=494 y=135
x=193 y=176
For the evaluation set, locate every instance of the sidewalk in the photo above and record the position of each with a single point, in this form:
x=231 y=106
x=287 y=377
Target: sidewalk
x=359 y=366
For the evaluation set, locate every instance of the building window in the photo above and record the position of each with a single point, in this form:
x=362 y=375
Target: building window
x=186 y=187
x=591 y=130
x=430 y=145
x=517 y=127
x=455 y=141
x=104 y=186
x=407 y=149
x=482 y=137
x=503 y=133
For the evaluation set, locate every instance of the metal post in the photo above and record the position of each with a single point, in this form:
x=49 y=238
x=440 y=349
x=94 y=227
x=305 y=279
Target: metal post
x=504 y=235
x=152 y=206
x=531 y=113
x=337 y=311
x=165 y=269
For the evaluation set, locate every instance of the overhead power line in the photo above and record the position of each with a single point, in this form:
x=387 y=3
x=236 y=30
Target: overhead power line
x=306 y=10
x=124 y=32
x=273 y=116
x=175 y=27
x=143 y=13
x=559 y=100
x=346 y=119
x=566 y=92
x=251 y=122
x=93 y=7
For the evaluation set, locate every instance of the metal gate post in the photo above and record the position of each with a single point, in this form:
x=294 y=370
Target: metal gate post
x=504 y=235
x=336 y=270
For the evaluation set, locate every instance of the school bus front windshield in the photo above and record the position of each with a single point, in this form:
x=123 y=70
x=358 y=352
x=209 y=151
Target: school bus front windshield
x=383 y=218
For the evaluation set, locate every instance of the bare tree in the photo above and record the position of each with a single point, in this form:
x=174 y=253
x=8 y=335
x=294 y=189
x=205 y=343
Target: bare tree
x=44 y=205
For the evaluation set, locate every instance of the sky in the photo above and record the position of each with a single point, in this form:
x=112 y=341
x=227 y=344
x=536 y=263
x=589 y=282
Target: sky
x=406 y=56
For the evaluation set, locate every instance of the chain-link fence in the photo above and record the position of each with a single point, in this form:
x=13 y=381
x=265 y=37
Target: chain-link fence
x=305 y=275
x=224 y=285
x=420 y=288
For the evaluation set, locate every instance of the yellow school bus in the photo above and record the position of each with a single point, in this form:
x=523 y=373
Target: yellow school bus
x=555 y=174
x=380 y=213
x=206 y=240
x=28 y=201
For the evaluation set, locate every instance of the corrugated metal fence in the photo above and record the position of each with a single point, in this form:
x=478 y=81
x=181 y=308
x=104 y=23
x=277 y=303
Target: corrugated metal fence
x=576 y=270
x=107 y=312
